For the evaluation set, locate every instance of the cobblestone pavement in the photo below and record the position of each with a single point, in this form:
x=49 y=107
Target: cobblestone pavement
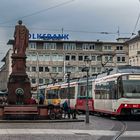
x=71 y=130
x=96 y=123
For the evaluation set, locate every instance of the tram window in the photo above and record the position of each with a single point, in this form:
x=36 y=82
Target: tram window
x=120 y=88
x=64 y=93
x=72 y=92
x=90 y=91
x=97 y=94
x=52 y=94
x=131 y=88
x=102 y=91
x=82 y=91
x=112 y=90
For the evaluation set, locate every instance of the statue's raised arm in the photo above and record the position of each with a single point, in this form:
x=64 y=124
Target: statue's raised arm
x=21 y=36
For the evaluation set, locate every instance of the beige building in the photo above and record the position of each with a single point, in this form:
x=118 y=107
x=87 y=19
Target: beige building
x=134 y=50
x=49 y=60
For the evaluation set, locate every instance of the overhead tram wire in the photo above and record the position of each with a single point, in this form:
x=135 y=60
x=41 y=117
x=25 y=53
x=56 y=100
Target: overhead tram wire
x=136 y=24
x=133 y=33
x=73 y=31
x=38 y=12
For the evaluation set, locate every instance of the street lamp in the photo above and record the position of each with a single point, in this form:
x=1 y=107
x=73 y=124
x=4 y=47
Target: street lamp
x=53 y=76
x=68 y=81
x=86 y=69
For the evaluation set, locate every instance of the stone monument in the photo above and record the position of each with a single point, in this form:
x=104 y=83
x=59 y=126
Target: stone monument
x=19 y=88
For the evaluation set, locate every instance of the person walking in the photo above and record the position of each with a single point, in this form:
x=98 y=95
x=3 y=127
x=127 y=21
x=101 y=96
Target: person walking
x=65 y=108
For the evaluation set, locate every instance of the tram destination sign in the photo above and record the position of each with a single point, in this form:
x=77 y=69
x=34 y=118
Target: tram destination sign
x=48 y=36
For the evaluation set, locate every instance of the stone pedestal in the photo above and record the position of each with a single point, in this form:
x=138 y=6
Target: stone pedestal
x=19 y=88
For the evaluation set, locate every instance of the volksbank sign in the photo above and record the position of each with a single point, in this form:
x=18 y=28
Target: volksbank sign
x=49 y=36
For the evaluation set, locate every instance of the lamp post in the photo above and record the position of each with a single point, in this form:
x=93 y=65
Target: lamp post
x=37 y=65
x=86 y=69
x=68 y=81
x=53 y=76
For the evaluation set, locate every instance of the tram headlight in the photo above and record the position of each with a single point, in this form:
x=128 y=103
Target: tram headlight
x=125 y=105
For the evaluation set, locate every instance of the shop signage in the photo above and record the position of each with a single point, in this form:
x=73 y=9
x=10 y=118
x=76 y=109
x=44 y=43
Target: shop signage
x=49 y=36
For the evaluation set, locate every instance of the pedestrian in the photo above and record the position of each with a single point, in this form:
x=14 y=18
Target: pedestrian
x=32 y=101
x=66 y=109
x=41 y=99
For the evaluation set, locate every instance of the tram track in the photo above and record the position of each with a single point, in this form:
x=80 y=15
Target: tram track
x=120 y=133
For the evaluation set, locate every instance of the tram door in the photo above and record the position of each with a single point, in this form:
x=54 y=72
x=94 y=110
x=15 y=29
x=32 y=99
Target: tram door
x=113 y=96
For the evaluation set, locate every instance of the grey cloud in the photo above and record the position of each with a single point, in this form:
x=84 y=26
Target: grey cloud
x=86 y=15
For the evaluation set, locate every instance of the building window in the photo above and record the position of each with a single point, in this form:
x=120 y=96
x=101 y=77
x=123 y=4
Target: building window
x=108 y=58
x=120 y=59
x=93 y=69
x=119 y=47
x=88 y=46
x=60 y=69
x=41 y=81
x=93 y=58
x=98 y=58
x=33 y=69
x=123 y=59
x=33 y=80
x=69 y=46
x=91 y=46
x=40 y=69
x=33 y=57
x=107 y=47
x=67 y=57
x=47 y=81
x=41 y=57
x=49 y=46
x=98 y=69
x=60 y=58
x=86 y=57
x=80 y=58
x=46 y=69
x=32 y=46
x=73 y=57
x=54 y=69
x=39 y=45
x=73 y=69
x=47 y=57
x=54 y=57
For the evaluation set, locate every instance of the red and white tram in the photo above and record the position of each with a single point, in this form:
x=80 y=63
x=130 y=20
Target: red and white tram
x=118 y=93
x=115 y=92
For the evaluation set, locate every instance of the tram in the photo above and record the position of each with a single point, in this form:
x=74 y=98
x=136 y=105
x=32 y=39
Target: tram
x=115 y=91
x=118 y=92
x=57 y=94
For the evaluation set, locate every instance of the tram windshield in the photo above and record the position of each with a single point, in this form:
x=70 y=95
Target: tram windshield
x=130 y=86
x=52 y=94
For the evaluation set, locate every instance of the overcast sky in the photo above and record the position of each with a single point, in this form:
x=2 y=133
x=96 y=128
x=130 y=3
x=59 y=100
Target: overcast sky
x=81 y=19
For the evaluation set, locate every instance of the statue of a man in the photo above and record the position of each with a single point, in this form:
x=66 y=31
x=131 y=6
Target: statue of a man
x=21 y=36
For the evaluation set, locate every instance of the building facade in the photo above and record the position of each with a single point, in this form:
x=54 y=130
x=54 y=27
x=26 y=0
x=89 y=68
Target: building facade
x=50 y=60
x=134 y=50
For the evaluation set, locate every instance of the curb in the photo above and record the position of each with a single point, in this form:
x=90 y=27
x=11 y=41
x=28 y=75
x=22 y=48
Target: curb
x=41 y=121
